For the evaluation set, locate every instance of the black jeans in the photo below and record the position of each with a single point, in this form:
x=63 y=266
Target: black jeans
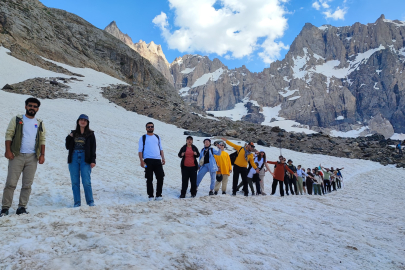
x=286 y=182
x=327 y=185
x=334 y=185
x=274 y=186
x=258 y=189
x=243 y=173
x=293 y=181
x=309 y=187
x=154 y=166
x=189 y=173
x=289 y=182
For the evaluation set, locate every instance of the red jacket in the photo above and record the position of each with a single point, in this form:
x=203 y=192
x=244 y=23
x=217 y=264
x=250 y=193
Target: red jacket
x=280 y=169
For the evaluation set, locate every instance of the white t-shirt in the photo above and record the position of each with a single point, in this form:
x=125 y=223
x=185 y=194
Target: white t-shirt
x=30 y=129
x=153 y=146
x=253 y=171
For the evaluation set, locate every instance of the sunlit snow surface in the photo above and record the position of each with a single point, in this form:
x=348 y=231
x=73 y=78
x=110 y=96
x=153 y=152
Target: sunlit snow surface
x=358 y=227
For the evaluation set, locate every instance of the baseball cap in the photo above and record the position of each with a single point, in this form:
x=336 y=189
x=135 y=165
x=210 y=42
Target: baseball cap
x=83 y=116
x=251 y=144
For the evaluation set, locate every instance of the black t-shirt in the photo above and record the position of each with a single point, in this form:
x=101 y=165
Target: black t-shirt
x=79 y=143
x=206 y=156
x=309 y=178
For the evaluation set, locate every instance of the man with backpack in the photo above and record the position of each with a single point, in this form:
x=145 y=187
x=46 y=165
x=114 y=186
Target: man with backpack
x=25 y=147
x=244 y=154
x=152 y=158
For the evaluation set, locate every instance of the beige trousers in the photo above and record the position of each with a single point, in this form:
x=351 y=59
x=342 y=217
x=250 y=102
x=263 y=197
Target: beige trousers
x=27 y=165
x=224 y=183
x=261 y=182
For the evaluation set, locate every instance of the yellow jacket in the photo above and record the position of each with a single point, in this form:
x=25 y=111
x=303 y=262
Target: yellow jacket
x=224 y=163
x=240 y=160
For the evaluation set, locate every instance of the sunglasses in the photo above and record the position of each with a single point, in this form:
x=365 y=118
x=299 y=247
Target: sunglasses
x=150 y=127
x=32 y=106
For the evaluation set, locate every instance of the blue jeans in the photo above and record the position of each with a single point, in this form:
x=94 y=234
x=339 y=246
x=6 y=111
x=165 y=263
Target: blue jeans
x=201 y=173
x=76 y=168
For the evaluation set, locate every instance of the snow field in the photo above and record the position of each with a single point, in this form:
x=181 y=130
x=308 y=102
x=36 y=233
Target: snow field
x=358 y=227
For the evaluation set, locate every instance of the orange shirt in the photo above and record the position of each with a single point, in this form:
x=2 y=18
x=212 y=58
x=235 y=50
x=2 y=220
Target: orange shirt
x=280 y=169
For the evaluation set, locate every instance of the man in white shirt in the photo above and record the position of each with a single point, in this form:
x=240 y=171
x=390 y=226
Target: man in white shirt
x=152 y=159
x=25 y=147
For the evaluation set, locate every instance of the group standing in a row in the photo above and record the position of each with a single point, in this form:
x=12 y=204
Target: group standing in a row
x=25 y=148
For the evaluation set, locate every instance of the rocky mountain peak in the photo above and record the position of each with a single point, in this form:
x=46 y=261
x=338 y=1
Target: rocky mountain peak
x=151 y=51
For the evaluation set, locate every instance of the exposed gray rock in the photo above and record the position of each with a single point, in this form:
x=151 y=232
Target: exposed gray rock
x=379 y=124
x=151 y=51
x=31 y=31
x=332 y=77
x=45 y=88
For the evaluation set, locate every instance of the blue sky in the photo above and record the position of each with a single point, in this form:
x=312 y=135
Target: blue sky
x=201 y=29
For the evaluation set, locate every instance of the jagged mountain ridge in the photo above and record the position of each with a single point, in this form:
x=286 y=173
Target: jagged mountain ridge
x=151 y=51
x=326 y=79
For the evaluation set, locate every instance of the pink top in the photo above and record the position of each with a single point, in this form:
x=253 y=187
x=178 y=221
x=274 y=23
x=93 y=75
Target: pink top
x=189 y=157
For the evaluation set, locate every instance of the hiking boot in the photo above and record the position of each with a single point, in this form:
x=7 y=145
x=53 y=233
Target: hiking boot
x=151 y=198
x=4 y=212
x=211 y=193
x=264 y=194
x=92 y=204
x=183 y=196
x=215 y=192
x=223 y=193
x=233 y=193
x=21 y=210
x=159 y=198
x=246 y=194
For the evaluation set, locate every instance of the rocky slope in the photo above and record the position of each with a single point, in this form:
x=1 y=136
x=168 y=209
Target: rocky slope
x=154 y=105
x=332 y=77
x=151 y=51
x=32 y=31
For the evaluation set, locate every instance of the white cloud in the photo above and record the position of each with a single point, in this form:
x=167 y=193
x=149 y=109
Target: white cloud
x=237 y=28
x=316 y=5
x=324 y=5
x=339 y=14
x=161 y=20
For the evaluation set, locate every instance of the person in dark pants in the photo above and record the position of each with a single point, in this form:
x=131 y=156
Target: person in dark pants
x=292 y=177
x=309 y=181
x=189 y=166
x=245 y=155
x=152 y=159
x=279 y=172
x=286 y=179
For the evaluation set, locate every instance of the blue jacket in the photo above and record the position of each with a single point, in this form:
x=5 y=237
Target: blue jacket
x=213 y=167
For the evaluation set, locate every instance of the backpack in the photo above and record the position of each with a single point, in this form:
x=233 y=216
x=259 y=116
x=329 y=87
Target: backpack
x=399 y=146
x=144 y=139
x=234 y=155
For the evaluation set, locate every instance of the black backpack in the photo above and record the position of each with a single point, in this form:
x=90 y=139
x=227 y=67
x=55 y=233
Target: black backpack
x=144 y=139
x=234 y=155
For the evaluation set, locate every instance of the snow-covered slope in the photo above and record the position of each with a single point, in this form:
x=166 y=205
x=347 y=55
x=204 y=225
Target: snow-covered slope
x=358 y=227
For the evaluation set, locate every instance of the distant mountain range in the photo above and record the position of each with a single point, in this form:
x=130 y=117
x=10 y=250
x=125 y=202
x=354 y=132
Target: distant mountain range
x=332 y=79
x=339 y=78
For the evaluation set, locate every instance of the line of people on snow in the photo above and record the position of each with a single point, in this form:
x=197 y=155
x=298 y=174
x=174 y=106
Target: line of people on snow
x=25 y=148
